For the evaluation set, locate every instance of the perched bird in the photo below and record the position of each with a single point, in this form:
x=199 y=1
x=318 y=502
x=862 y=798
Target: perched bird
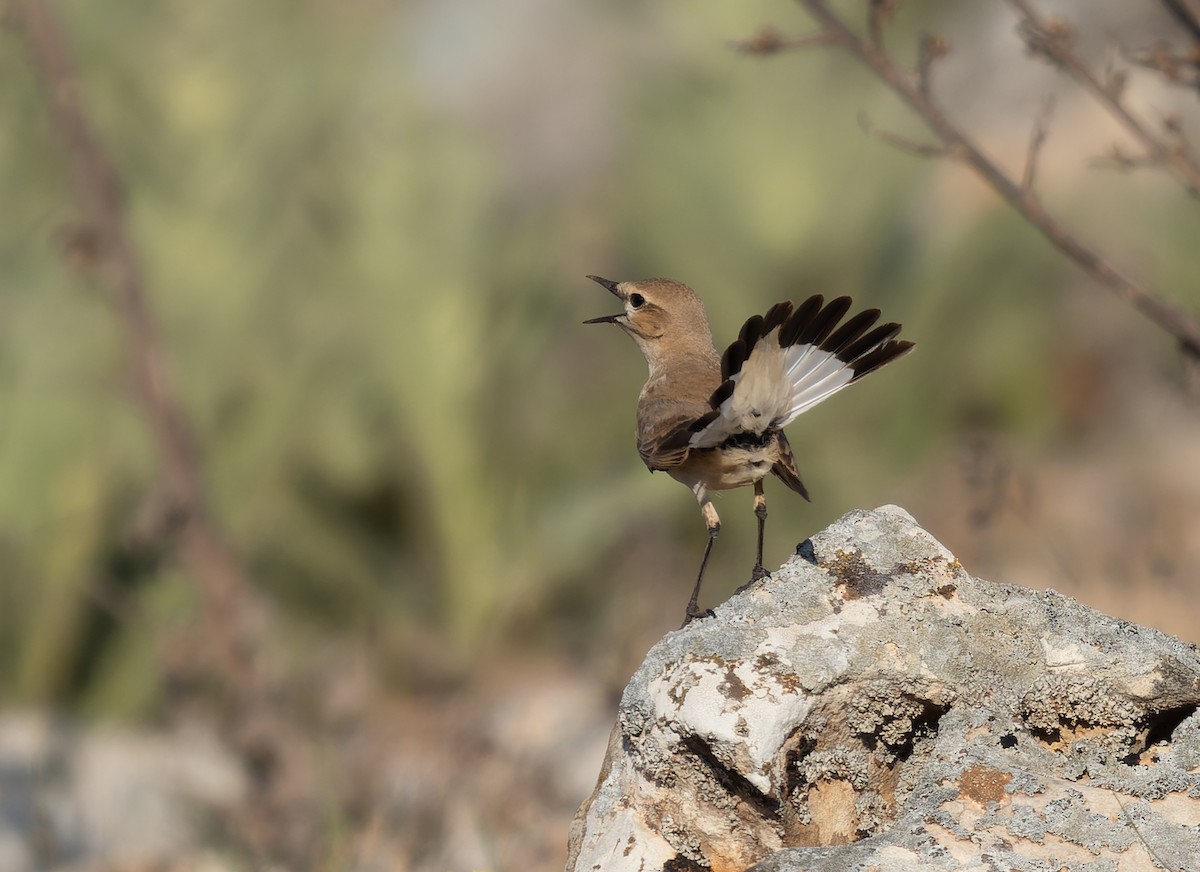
x=715 y=423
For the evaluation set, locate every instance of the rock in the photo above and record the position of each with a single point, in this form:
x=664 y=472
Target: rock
x=108 y=798
x=873 y=706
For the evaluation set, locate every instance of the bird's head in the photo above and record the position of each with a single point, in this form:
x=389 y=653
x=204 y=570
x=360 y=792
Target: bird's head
x=658 y=314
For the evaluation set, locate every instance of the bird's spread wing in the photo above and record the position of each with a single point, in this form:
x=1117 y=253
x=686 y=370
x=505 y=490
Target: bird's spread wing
x=785 y=362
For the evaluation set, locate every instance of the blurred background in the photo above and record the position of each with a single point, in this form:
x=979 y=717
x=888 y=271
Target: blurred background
x=363 y=228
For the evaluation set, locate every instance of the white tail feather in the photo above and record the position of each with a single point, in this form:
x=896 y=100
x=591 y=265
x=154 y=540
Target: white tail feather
x=818 y=394
x=816 y=376
x=773 y=386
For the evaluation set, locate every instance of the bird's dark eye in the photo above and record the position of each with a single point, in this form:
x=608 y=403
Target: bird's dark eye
x=637 y=301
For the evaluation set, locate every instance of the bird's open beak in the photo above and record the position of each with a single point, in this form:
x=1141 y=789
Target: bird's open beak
x=612 y=289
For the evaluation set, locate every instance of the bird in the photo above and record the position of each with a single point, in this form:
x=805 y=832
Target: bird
x=715 y=422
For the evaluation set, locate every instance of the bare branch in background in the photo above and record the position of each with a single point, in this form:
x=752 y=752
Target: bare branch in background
x=769 y=41
x=954 y=143
x=176 y=518
x=879 y=14
x=903 y=143
x=99 y=242
x=1178 y=69
x=933 y=47
x=1187 y=17
x=1117 y=159
x=1036 y=140
x=1052 y=40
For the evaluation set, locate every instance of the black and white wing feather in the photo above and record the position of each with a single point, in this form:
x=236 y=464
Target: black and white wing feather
x=785 y=362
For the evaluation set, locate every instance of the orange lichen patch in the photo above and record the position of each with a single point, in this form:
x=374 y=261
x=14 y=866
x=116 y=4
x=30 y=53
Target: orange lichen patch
x=933 y=565
x=789 y=682
x=984 y=784
x=733 y=687
x=855 y=577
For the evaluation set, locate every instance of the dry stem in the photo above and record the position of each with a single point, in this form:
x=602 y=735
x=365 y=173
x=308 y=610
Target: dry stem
x=177 y=517
x=101 y=241
x=954 y=143
x=1052 y=39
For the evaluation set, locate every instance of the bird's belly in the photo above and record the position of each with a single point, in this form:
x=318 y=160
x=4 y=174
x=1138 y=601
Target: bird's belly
x=728 y=467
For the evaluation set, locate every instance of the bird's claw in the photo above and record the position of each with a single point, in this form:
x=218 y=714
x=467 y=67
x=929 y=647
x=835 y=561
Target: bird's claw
x=757 y=575
x=693 y=613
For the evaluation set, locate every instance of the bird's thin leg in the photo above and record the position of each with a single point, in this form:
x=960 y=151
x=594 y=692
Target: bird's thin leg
x=693 y=610
x=713 y=522
x=760 y=511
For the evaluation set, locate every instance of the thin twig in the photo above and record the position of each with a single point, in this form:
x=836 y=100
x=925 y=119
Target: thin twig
x=933 y=48
x=1172 y=126
x=1052 y=39
x=1036 y=140
x=770 y=41
x=878 y=12
x=1169 y=316
x=1186 y=17
x=1178 y=69
x=1125 y=813
x=177 y=518
x=1116 y=159
x=903 y=143
x=101 y=244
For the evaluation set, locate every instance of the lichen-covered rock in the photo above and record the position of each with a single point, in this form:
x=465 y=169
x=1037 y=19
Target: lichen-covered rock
x=873 y=706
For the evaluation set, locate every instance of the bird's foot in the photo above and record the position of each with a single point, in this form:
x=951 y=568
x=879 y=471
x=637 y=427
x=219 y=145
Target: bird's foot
x=757 y=575
x=693 y=613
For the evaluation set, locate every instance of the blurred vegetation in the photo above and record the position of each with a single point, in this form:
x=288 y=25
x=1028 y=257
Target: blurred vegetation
x=365 y=227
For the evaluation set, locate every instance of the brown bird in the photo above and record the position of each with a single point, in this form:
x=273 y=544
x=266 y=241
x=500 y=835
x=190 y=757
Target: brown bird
x=715 y=423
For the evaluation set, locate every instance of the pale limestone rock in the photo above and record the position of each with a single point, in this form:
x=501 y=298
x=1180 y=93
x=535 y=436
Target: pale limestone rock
x=873 y=706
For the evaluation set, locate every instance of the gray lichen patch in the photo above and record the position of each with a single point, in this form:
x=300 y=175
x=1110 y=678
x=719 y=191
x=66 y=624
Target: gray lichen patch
x=872 y=704
x=1067 y=711
x=859 y=753
x=838 y=763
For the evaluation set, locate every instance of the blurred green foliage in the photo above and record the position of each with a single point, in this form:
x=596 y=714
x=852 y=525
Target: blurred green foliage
x=365 y=227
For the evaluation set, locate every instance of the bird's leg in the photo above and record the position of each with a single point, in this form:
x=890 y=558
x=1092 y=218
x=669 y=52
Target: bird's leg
x=693 y=610
x=713 y=522
x=760 y=511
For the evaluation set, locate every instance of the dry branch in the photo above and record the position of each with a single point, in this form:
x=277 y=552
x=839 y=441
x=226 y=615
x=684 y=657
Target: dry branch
x=914 y=91
x=1052 y=39
x=904 y=143
x=1036 y=140
x=1188 y=18
x=176 y=518
x=100 y=241
x=769 y=41
x=933 y=47
x=1178 y=69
